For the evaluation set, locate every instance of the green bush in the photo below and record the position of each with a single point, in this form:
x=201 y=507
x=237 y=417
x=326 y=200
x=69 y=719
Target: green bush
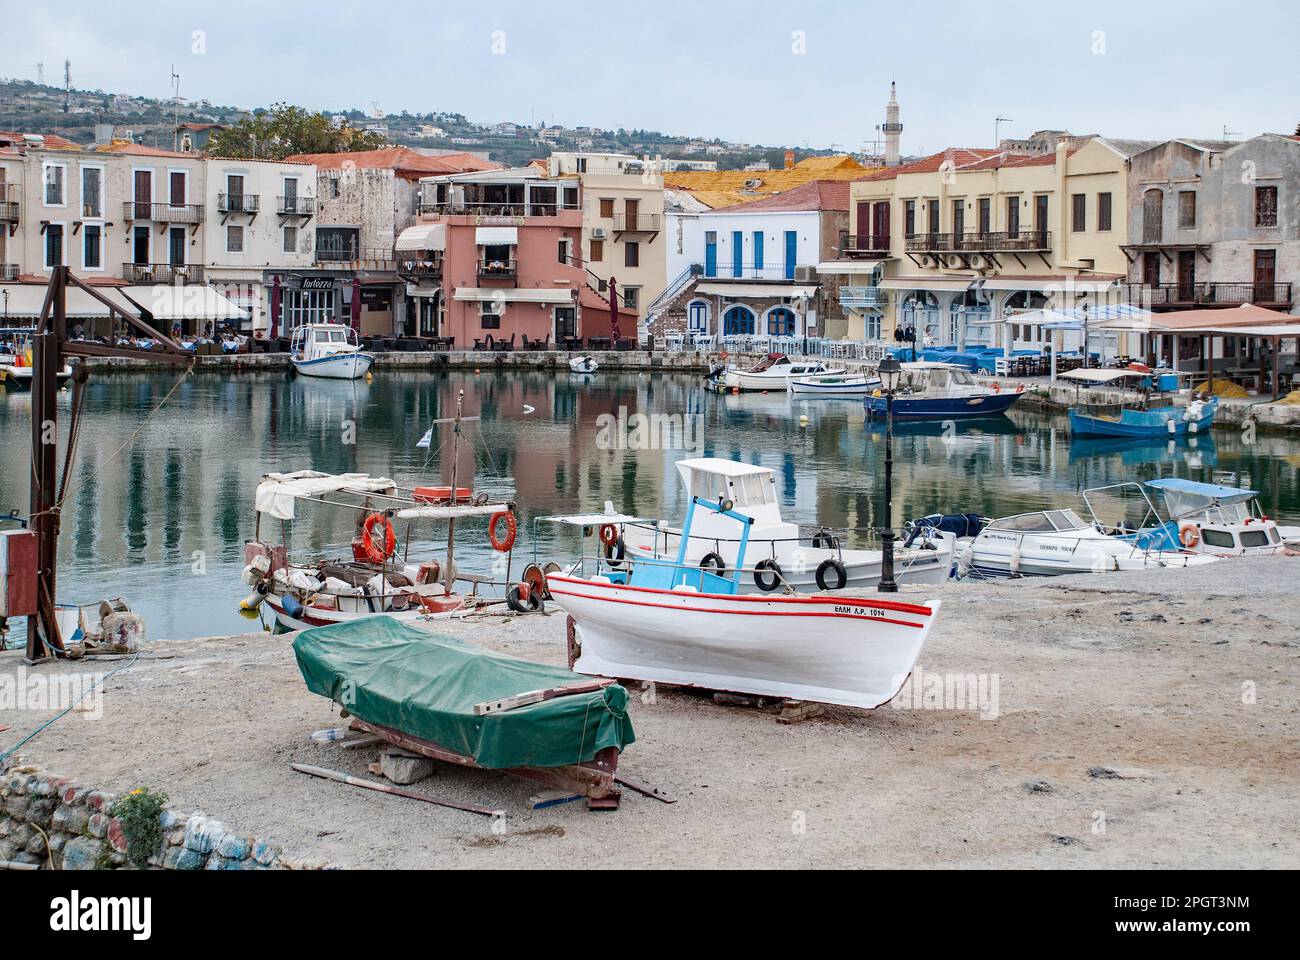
x=138 y=812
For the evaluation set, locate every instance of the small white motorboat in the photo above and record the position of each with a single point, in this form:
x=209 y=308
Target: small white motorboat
x=1207 y=518
x=16 y=360
x=834 y=385
x=676 y=623
x=584 y=364
x=328 y=350
x=773 y=372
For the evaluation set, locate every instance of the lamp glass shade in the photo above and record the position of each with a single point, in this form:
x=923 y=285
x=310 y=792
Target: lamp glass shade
x=888 y=372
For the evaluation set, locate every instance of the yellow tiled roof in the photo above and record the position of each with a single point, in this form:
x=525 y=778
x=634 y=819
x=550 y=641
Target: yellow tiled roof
x=726 y=188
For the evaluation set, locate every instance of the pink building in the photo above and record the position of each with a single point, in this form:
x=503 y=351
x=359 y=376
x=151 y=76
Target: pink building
x=495 y=254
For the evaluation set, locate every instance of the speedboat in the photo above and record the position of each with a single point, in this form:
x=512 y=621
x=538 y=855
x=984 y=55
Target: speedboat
x=584 y=364
x=942 y=391
x=834 y=385
x=328 y=350
x=16 y=360
x=671 y=621
x=773 y=373
x=1206 y=518
x=1049 y=543
x=783 y=560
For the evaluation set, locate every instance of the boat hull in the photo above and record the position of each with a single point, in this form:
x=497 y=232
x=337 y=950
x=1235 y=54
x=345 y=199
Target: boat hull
x=1143 y=423
x=311 y=616
x=841 y=650
x=20 y=378
x=993 y=557
x=341 y=366
x=944 y=408
x=807 y=389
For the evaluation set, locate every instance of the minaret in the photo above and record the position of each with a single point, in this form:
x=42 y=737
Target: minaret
x=892 y=128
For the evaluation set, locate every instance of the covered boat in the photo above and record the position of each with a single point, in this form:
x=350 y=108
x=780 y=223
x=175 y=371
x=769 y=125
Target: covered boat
x=584 y=364
x=451 y=700
x=942 y=391
x=676 y=623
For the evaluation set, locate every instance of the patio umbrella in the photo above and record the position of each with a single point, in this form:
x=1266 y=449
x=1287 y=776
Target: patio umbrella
x=613 y=312
x=356 y=304
x=275 y=307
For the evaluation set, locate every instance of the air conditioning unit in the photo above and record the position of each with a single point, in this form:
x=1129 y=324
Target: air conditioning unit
x=955 y=262
x=978 y=261
x=928 y=261
x=598 y=233
x=805 y=274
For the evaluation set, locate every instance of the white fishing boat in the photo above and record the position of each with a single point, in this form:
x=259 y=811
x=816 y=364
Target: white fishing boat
x=1207 y=518
x=584 y=364
x=1049 y=543
x=673 y=622
x=773 y=373
x=782 y=559
x=328 y=350
x=834 y=385
x=16 y=360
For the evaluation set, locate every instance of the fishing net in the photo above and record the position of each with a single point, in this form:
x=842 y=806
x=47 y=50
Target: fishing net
x=1222 y=388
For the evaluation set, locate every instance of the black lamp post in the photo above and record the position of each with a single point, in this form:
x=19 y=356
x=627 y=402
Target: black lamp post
x=888 y=371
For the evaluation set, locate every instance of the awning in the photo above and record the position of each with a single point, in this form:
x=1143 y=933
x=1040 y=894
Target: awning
x=190 y=302
x=928 y=283
x=26 y=299
x=423 y=236
x=514 y=294
x=278 y=492
x=1102 y=376
x=496 y=235
x=759 y=290
x=1042 y=284
x=850 y=266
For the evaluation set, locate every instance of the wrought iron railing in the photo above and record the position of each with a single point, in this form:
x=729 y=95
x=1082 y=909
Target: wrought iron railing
x=162 y=272
x=238 y=203
x=8 y=203
x=638 y=223
x=1209 y=293
x=865 y=247
x=302 y=206
x=1008 y=241
x=163 y=212
x=504 y=269
x=8 y=271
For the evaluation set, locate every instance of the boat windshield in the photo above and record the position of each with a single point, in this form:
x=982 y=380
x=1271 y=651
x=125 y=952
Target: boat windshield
x=962 y=378
x=1048 y=521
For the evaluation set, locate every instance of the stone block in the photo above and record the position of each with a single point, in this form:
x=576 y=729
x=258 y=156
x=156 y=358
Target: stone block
x=234 y=847
x=70 y=819
x=265 y=852
x=203 y=835
x=99 y=802
x=73 y=795
x=16 y=806
x=402 y=767
x=97 y=825
x=116 y=836
x=40 y=810
x=83 y=853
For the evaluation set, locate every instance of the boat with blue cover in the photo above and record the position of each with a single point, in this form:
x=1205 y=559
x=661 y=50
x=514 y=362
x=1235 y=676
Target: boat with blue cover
x=943 y=391
x=1209 y=518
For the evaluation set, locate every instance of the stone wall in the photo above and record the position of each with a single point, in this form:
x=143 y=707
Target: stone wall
x=52 y=821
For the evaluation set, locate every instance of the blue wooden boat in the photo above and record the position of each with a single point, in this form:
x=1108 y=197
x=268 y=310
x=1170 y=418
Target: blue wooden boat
x=942 y=391
x=1167 y=421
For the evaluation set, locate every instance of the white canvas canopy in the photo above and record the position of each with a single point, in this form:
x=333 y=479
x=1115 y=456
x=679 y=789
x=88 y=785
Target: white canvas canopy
x=278 y=492
x=434 y=512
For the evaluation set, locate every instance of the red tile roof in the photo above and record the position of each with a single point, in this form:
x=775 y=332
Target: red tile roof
x=140 y=150
x=52 y=140
x=405 y=162
x=967 y=158
x=814 y=195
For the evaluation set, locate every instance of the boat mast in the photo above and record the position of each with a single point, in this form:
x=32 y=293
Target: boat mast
x=449 y=576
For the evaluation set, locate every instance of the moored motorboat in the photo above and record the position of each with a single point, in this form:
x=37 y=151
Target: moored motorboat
x=834 y=385
x=1207 y=518
x=773 y=372
x=328 y=350
x=942 y=391
x=674 y=622
x=584 y=364
x=1149 y=415
x=16 y=360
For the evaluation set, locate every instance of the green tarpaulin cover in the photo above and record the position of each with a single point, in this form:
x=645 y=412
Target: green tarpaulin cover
x=426 y=685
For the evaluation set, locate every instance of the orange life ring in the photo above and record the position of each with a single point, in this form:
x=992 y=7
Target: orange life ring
x=997 y=387
x=502 y=546
x=608 y=534
x=375 y=554
x=1188 y=536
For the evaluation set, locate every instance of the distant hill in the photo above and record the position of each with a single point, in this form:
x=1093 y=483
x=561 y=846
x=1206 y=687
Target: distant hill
x=29 y=107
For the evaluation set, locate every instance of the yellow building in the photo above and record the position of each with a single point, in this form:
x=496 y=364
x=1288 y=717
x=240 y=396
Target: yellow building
x=950 y=248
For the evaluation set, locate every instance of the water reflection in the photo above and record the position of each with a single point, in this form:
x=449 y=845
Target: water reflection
x=139 y=523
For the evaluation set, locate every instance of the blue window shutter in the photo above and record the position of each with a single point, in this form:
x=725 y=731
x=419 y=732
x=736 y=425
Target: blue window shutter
x=737 y=253
x=791 y=248
x=758 y=252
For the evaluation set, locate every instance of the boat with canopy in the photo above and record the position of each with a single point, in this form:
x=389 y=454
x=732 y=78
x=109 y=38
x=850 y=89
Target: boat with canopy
x=1208 y=518
x=1151 y=414
x=942 y=391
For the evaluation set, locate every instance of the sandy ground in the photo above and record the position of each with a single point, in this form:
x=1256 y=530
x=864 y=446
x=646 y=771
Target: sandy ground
x=1144 y=675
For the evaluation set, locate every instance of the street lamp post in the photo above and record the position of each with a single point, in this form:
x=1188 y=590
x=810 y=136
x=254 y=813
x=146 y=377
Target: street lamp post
x=888 y=371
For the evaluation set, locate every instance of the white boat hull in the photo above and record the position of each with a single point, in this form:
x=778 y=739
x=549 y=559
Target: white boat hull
x=583 y=365
x=810 y=388
x=841 y=650
x=1003 y=555
x=341 y=366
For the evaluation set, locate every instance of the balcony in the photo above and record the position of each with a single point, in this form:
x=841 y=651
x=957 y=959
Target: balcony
x=638 y=223
x=498 y=269
x=8 y=203
x=163 y=212
x=1014 y=241
x=144 y=273
x=296 y=206
x=238 y=203
x=473 y=209
x=864 y=298
x=8 y=271
x=355 y=258
x=1182 y=296
x=865 y=247
x=417 y=269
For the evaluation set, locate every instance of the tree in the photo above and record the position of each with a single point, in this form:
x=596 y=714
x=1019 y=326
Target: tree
x=285 y=130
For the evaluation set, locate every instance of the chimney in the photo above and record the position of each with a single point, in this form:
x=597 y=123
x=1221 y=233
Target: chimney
x=789 y=159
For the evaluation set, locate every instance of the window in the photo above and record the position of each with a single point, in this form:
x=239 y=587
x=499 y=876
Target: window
x=1079 y=212
x=92 y=247
x=631 y=254
x=1104 y=205
x=780 y=322
x=1153 y=202
x=932 y=220
x=1013 y=216
x=597 y=251
x=55 y=175
x=333 y=187
x=909 y=218
x=607 y=208
x=176 y=243
x=632 y=298
x=290 y=240
x=570 y=198
x=958 y=217
x=582 y=164
x=697 y=316
x=92 y=192
x=758 y=252
x=566 y=322
x=1266 y=206
x=307 y=306
x=1186 y=209
x=490 y=315
x=234 y=238
x=53 y=245
x=1218 y=538
x=986 y=215
x=176 y=188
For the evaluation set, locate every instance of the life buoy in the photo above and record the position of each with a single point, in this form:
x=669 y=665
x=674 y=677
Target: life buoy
x=373 y=551
x=764 y=569
x=608 y=534
x=997 y=387
x=502 y=546
x=714 y=563
x=1188 y=536
x=832 y=565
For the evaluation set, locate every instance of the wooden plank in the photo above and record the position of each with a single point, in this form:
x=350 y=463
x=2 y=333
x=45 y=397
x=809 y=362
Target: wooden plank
x=388 y=788
x=644 y=789
x=538 y=696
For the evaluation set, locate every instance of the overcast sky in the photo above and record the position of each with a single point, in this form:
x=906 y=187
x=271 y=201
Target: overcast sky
x=810 y=72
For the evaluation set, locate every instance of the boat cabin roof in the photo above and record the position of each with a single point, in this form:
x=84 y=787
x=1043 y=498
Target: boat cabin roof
x=1211 y=491
x=720 y=466
x=930 y=365
x=1044 y=521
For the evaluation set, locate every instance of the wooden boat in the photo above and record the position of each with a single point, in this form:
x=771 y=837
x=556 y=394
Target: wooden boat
x=676 y=623
x=833 y=385
x=1150 y=415
x=942 y=391
x=773 y=372
x=328 y=350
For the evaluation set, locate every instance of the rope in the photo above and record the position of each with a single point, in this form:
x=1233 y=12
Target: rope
x=63 y=713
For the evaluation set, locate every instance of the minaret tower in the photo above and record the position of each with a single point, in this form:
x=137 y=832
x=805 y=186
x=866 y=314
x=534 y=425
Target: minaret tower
x=892 y=129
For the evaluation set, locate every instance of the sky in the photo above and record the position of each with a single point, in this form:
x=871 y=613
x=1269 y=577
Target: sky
x=812 y=73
